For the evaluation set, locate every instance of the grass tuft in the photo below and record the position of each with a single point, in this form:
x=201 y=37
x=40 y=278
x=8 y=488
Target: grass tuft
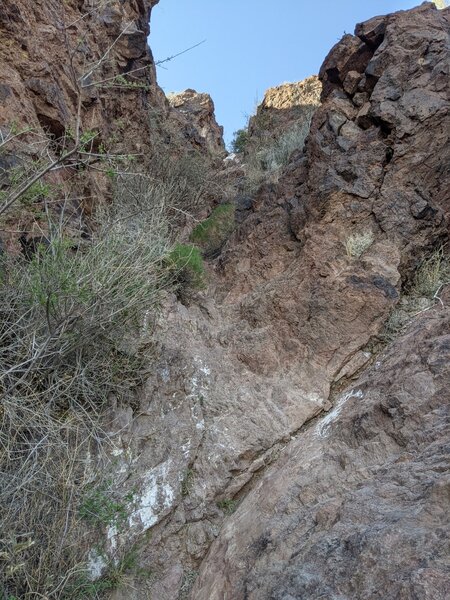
x=357 y=243
x=186 y=263
x=212 y=233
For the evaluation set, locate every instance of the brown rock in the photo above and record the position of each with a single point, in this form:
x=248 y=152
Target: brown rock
x=356 y=507
x=195 y=116
x=288 y=312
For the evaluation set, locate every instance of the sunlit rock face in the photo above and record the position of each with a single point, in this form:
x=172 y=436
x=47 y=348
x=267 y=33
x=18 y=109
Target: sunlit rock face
x=194 y=113
x=355 y=507
x=283 y=106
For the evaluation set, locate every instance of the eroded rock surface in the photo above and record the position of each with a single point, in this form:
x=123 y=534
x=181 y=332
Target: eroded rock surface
x=357 y=506
x=194 y=113
x=68 y=65
x=284 y=105
x=354 y=504
x=291 y=313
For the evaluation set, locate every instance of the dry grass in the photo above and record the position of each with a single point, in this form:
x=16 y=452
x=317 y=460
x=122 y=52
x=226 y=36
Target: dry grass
x=432 y=273
x=72 y=335
x=267 y=152
x=357 y=243
x=422 y=293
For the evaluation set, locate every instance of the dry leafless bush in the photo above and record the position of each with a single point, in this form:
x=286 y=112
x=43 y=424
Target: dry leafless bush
x=421 y=294
x=72 y=321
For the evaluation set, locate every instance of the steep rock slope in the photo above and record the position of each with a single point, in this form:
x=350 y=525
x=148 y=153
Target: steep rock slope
x=354 y=508
x=293 y=309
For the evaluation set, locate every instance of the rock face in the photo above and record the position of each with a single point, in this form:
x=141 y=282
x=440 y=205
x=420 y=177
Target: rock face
x=356 y=507
x=294 y=308
x=43 y=74
x=59 y=60
x=234 y=415
x=283 y=105
x=194 y=113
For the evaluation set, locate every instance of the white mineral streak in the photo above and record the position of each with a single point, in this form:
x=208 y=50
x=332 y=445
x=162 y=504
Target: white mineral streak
x=323 y=426
x=156 y=497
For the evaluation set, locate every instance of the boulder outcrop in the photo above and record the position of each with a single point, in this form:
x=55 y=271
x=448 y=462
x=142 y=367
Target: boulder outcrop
x=284 y=105
x=194 y=113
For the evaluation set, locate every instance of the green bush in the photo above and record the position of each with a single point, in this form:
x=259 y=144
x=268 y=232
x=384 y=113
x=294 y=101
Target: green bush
x=239 y=141
x=211 y=233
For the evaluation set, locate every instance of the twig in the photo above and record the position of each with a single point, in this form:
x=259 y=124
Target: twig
x=169 y=58
x=36 y=178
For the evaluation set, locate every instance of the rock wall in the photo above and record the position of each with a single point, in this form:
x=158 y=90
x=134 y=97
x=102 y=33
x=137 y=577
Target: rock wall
x=291 y=316
x=88 y=62
x=68 y=62
x=354 y=507
x=235 y=415
x=284 y=105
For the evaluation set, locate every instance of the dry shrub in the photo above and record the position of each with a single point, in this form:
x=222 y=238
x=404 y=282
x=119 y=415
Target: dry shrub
x=73 y=328
x=421 y=294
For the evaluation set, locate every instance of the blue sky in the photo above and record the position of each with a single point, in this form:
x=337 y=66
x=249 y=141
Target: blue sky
x=250 y=45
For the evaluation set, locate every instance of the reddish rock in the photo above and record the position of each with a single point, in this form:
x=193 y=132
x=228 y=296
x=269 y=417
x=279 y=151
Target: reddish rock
x=357 y=506
x=195 y=118
x=54 y=53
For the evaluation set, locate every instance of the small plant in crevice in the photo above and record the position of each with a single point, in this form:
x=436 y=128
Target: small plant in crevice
x=432 y=273
x=117 y=574
x=421 y=294
x=187 y=483
x=228 y=505
x=212 y=233
x=189 y=577
x=100 y=508
x=357 y=243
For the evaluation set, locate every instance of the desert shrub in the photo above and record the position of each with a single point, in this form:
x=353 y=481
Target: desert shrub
x=357 y=243
x=276 y=155
x=186 y=264
x=431 y=274
x=73 y=327
x=211 y=233
x=420 y=294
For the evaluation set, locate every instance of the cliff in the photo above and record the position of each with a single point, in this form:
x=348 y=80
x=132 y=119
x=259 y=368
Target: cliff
x=289 y=435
